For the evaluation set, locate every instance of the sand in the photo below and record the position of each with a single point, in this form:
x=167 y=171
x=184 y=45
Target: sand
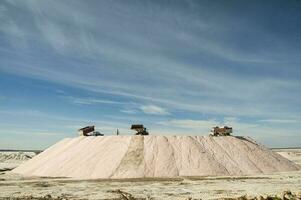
x=117 y=157
x=204 y=188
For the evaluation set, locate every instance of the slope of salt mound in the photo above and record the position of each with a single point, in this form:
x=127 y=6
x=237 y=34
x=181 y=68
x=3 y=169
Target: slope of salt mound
x=154 y=156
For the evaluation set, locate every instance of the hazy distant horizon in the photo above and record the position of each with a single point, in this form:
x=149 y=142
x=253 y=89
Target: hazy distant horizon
x=178 y=67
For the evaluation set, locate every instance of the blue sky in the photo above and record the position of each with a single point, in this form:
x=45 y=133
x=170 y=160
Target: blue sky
x=179 y=67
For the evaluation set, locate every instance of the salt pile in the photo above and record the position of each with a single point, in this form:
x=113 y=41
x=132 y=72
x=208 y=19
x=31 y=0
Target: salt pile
x=15 y=156
x=154 y=156
x=10 y=160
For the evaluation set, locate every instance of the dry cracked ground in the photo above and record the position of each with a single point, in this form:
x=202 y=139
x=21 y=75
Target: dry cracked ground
x=285 y=185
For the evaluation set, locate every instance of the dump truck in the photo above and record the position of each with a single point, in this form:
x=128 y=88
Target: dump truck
x=221 y=131
x=89 y=131
x=140 y=129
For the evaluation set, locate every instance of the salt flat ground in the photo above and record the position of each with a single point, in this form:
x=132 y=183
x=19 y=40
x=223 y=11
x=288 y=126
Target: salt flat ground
x=12 y=185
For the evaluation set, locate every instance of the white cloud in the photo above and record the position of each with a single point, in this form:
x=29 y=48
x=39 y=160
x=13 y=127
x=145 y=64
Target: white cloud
x=191 y=124
x=30 y=131
x=129 y=111
x=54 y=35
x=31 y=113
x=186 y=126
x=90 y=101
x=280 y=121
x=17 y=37
x=154 y=110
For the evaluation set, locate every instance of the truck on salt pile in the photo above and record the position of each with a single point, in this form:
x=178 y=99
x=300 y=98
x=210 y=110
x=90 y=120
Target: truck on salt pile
x=221 y=131
x=89 y=131
x=141 y=130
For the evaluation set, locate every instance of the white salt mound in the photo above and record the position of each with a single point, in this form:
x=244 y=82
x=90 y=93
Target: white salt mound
x=114 y=157
x=10 y=160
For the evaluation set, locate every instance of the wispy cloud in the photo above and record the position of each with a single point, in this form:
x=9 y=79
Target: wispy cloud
x=12 y=29
x=129 y=111
x=280 y=121
x=32 y=132
x=90 y=101
x=191 y=124
x=154 y=110
x=33 y=113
